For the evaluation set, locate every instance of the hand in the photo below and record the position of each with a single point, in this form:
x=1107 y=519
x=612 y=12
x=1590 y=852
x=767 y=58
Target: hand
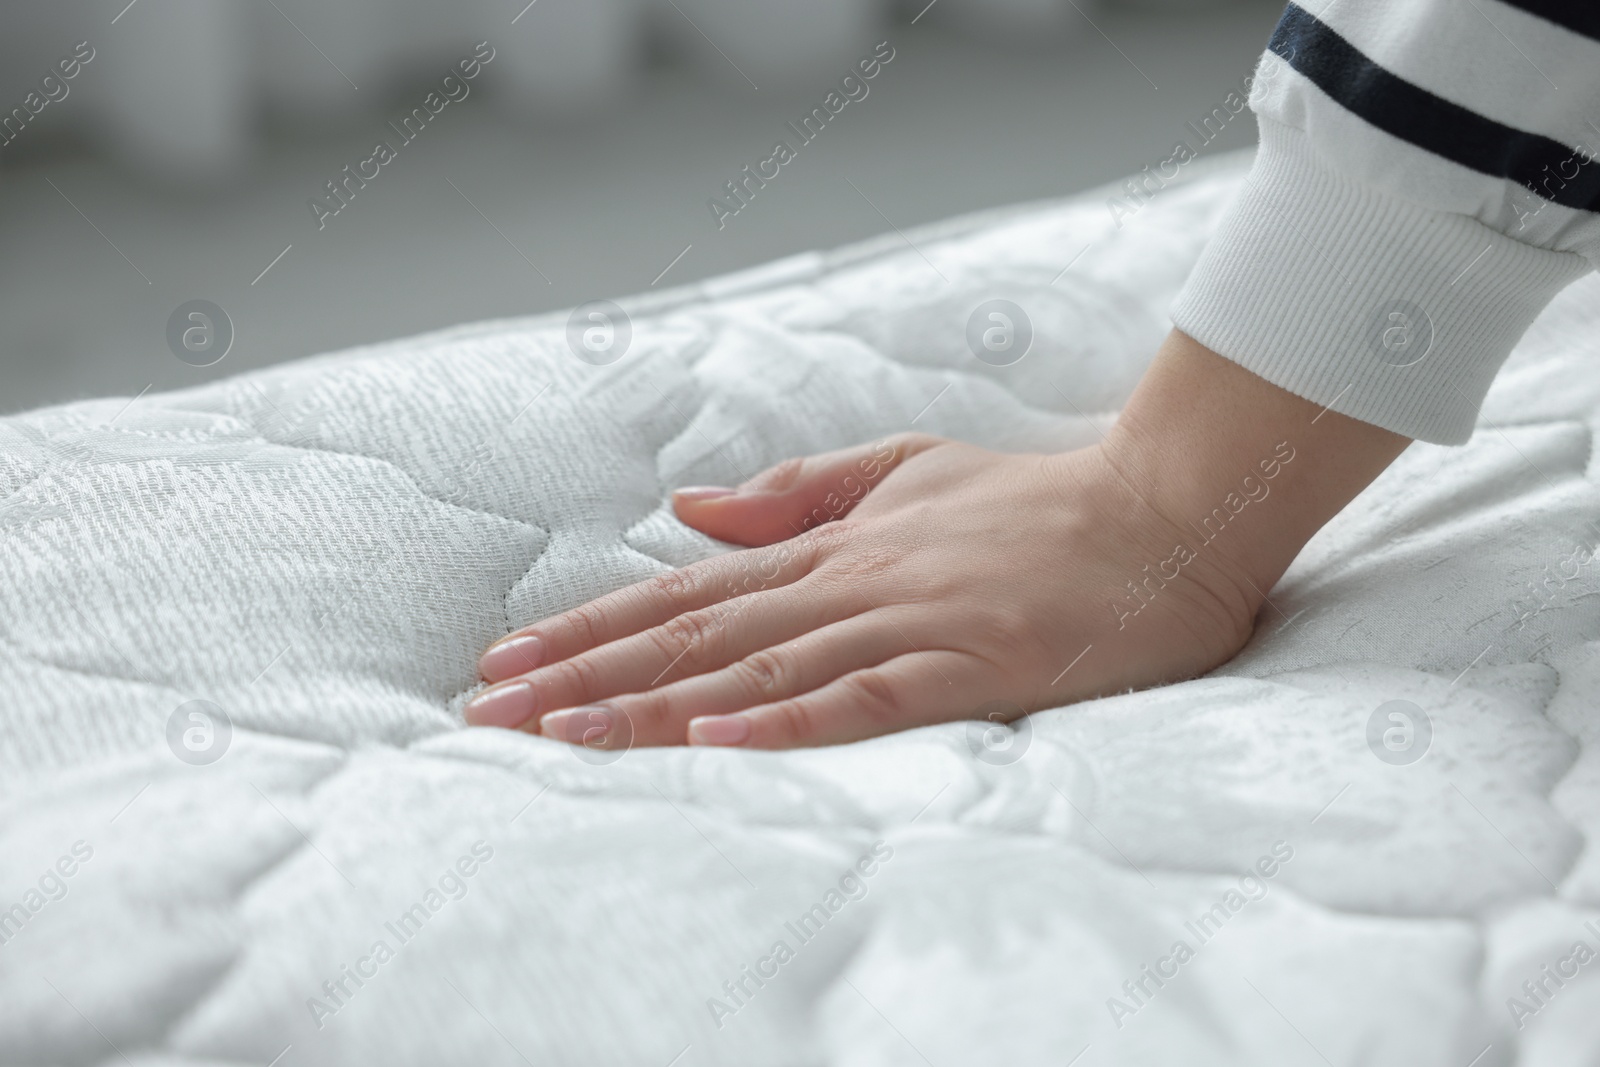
x=953 y=577
x=920 y=580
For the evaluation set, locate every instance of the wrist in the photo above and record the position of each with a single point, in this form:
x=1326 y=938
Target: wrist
x=1245 y=473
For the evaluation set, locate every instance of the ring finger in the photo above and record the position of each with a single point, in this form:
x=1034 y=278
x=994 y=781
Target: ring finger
x=697 y=641
x=773 y=673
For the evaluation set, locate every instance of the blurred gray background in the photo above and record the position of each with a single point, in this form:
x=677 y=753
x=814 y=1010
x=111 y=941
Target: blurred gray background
x=178 y=162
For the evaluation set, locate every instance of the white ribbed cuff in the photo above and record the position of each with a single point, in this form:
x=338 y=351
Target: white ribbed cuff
x=1353 y=298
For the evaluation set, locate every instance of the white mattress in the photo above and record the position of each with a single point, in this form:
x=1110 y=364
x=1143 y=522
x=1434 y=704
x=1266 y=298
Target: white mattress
x=323 y=549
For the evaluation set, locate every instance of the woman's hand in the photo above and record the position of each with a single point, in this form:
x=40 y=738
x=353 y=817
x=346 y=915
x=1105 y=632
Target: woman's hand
x=919 y=580
x=960 y=578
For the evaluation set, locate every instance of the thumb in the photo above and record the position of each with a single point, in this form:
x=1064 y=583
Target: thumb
x=796 y=495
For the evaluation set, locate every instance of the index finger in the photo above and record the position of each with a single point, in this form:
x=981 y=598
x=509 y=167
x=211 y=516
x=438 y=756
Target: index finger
x=647 y=604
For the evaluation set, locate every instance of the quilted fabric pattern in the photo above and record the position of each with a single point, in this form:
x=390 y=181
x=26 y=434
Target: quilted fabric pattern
x=321 y=550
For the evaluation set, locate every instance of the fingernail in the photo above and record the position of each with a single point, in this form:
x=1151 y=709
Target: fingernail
x=507 y=706
x=577 y=726
x=512 y=656
x=703 y=492
x=719 y=730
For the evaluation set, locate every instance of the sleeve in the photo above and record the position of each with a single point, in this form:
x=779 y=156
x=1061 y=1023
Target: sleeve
x=1427 y=180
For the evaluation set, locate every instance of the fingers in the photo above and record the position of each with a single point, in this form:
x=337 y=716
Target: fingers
x=910 y=690
x=723 y=616
x=772 y=672
x=683 y=646
x=643 y=605
x=797 y=494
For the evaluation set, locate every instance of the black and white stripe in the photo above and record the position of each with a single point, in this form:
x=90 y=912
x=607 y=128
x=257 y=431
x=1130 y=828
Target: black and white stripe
x=1563 y=174
x=1434 y=163
x=1583 y=18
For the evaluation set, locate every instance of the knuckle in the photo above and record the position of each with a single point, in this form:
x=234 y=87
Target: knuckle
x=750 y=572
x=780 y=476
x=647 y=711
x=875 y=694
x=757 y=569
x=576 y=676
x=1006 y=626
x=767 y=673
x=690 y=634
x=797 y=723
x=911 y=442
x=861 y=561
x=826 y=538
x=673 y=588
x=588 y=623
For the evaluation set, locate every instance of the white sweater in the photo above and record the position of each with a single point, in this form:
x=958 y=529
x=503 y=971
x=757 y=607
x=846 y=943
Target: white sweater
x=1428 y=179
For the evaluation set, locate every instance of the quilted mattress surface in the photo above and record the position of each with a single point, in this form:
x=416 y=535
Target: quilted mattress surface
x=242 y=822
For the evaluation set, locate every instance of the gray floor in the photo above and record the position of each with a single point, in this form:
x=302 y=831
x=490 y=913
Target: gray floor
x=601 y=209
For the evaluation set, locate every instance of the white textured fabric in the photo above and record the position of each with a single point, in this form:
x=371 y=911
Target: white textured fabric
x=1362 y=301
x=1368 y=273
x=323 y=549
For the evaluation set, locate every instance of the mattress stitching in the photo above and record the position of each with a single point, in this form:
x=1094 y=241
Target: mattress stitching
x=505 y=605
x=235 y=908
x=505 y=599
x=105 y=676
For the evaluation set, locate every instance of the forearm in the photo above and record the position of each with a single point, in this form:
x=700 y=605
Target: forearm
x=1244 y=471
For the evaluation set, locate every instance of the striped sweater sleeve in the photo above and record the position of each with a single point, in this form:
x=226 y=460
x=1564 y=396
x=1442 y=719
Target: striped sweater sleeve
x=1427 y=180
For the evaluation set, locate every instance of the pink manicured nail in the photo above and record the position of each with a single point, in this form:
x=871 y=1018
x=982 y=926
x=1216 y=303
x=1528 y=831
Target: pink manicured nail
x=703 y=492
x=508 y=706
x=554 y=723
x=578 y=726
x=512 y=656
x=601 y=732
x=719 y=730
